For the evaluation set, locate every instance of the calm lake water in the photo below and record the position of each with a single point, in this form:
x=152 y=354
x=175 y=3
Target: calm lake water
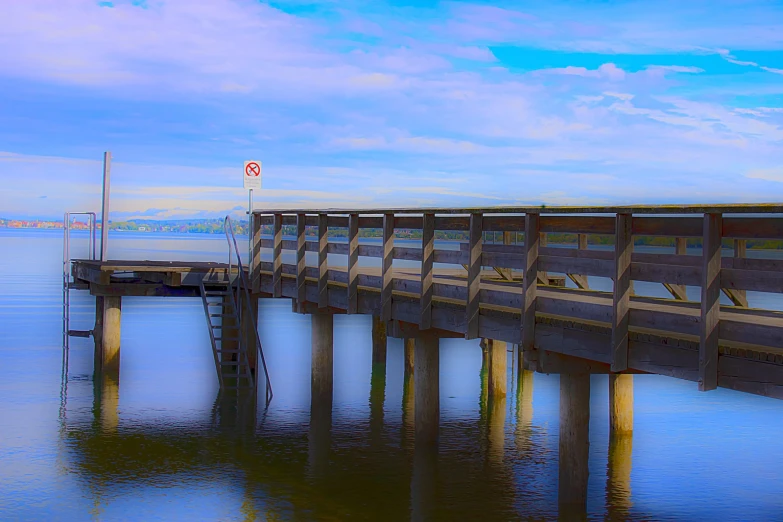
x=164 y=446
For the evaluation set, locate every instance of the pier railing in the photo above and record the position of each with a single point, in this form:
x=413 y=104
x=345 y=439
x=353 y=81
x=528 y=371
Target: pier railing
x=482 y=299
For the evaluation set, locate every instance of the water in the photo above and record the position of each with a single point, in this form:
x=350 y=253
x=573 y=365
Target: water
x=164 y=446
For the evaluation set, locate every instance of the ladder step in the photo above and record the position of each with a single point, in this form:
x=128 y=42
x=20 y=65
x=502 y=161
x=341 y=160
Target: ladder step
x=212 y=293
x=226 y=338
x=221 y=315
x=231 y=363
x=79 y=333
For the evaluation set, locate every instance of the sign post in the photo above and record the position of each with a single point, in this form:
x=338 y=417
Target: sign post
x=251 y=179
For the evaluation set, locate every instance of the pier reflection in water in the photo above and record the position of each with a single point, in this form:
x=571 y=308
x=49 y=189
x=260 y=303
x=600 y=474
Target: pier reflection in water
x=460 y=468
x=159 y=443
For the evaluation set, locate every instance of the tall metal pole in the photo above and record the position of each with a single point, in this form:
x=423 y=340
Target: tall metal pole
x=105 y=207
x=250 y=233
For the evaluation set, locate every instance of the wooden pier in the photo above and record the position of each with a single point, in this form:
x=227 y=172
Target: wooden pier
x=507 y=292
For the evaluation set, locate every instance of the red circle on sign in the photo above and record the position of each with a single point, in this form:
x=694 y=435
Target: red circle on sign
x=253 y=169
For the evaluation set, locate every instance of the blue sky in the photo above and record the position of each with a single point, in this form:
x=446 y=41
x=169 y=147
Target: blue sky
x=372 y=104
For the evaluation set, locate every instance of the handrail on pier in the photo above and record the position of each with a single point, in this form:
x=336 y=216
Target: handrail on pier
x=629 y=332
x=243 y=288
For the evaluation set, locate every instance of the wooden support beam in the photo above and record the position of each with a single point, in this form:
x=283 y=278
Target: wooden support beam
x=529 y=285
x=387 y=274
x=474 y=277
x=353 y=263
x=621 y=296
x=710 y=302
x=738 y=297
x=678 y=291
x=506 y=273
x=323 y=264
x=277 y=256
x=427 y=258
x=301 y=264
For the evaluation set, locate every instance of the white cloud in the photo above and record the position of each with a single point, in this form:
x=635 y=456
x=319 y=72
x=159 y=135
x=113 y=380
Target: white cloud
x=766 y=174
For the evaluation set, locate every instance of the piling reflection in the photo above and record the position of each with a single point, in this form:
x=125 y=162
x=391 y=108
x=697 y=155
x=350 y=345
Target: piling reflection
x=317 y=470
x=618 y=476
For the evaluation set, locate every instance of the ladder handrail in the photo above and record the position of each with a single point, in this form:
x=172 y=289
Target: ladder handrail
x=244 y=285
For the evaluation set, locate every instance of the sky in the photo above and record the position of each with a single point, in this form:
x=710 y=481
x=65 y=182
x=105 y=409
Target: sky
x=387 y=104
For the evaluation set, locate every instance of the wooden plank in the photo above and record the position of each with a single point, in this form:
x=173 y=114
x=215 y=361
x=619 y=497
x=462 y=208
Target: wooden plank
x=710 y=302
x=323 y=266
x=301 y=264
x=428 y=257
x=738 y=297
x=353 y=263
x=753 y=227
x=452 y=223
x=667 y=226
x=277 y=259
x=621 y=294
x=756 y=280
x=578 y=225
x=593 y=267
x=386 y=274
x=530 y=283
x=472 y=304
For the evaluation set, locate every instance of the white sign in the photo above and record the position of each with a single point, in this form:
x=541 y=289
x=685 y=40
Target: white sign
x=252 y=175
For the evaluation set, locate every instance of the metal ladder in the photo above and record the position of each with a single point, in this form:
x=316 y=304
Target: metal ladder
x=69 y=285
x=232 y=307
x=228 y=346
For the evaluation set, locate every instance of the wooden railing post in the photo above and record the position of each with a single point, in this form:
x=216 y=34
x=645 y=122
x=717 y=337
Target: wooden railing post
x=710 y=302
x=255 y=276
x=580 y=280
x=277 y=256
x=301 y=264
x=543 y=278
x=387 y=274
x=353 y=263
x=427 y=258
x=530 y=286
x=621 y=297
x=678 y=291
x=472 y=304
x=738 y=297
x=323 y=266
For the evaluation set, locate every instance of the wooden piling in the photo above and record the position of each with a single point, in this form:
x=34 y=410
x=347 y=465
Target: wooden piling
x=497 y=368
x=108 y=320
x=322 y=370
x=427 y=389
x=574 y=441
x=409 y=344
x=621 y=403
x=379 y=341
